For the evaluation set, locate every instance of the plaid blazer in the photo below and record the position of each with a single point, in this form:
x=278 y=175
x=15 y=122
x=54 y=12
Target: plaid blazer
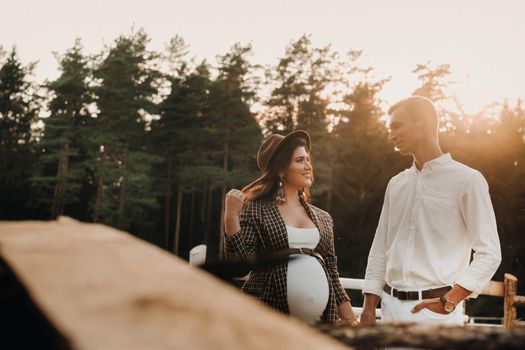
x=263 y=230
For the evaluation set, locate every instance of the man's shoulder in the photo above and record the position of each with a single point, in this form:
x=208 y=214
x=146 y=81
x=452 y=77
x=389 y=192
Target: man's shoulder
x=401 y=175
x=463 y=169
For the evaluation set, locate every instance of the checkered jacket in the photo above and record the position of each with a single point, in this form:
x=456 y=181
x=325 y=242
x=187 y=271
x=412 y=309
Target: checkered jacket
x=263 y=230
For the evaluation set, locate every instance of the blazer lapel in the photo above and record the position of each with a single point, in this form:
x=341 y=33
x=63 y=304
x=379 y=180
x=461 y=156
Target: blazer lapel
x=323 y=235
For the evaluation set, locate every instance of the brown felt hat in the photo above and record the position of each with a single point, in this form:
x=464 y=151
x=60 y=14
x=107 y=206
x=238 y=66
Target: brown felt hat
x=275 y=142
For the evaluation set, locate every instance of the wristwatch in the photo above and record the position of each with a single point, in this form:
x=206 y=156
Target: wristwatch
x=448 y=306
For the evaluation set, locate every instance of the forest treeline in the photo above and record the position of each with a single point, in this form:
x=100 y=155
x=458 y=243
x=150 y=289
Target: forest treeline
x=149 y=142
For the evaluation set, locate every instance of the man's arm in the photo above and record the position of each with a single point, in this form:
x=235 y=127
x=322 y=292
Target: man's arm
x=478 y=214
x=376 y=266
x=368 y=315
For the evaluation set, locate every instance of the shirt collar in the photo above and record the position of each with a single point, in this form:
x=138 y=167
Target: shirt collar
x=435 y=163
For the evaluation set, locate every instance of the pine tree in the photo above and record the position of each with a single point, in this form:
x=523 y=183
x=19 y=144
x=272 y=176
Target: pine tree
x=434 y=86
x=288 y=82
x=128 y=84
x=62 y=175
x=365 y=163
x=233 y=129
x=300 y=99
x=19 y=108
x=180 y=138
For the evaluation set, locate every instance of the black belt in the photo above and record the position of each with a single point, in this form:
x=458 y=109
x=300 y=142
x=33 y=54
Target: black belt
x=305 y=251
x=414 y=295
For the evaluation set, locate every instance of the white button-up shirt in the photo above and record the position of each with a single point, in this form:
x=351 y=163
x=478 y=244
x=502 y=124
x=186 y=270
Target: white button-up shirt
x=430 y=222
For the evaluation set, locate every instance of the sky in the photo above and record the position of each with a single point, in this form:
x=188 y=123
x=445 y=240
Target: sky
x=484 y=41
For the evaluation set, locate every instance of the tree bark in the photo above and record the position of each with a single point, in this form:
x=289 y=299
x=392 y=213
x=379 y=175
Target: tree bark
x=57 y=208
x=177 y=223
x=121 y=203
x=99 y=199
x=204 y=201
x=208 y=215
x=167 y=205
x=192 y=212
x=223 y=194
x=56 y=192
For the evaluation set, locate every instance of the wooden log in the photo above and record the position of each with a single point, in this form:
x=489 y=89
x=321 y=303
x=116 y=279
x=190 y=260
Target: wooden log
x=509 y=310
x=104 y=289
x=429 y=336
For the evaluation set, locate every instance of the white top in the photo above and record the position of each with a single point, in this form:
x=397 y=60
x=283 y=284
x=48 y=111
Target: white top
x=307 y=284
x=430 y=221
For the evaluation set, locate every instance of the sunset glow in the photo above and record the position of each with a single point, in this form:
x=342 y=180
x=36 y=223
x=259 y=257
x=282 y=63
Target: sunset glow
x=480 y=39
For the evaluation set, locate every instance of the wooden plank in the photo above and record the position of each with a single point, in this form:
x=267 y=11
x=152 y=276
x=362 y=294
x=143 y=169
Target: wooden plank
x=519 y=300
x=105 y=289
x=494 y=288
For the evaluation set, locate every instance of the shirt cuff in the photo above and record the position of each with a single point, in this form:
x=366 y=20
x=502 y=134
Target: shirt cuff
x=373 y=287
x=471 y=284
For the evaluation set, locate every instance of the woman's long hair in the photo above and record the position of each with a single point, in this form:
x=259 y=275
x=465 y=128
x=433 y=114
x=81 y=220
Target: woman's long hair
x=265 y=186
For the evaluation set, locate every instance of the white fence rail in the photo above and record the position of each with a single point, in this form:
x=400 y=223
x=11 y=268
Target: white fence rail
x=198 y=254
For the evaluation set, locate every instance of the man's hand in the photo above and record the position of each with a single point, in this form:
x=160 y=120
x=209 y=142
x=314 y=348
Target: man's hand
x=368 y=315
x=434 y=305
x=368 y=318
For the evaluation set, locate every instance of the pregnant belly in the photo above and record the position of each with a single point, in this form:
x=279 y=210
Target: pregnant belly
x=308 y=289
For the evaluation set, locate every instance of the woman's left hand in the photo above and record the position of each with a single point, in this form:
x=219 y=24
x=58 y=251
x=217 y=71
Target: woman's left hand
x=351 y=322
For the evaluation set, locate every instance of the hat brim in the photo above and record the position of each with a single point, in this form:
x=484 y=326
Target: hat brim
x=302 y=134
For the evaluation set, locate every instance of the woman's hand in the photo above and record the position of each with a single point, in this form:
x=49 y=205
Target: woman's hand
x=347 y=315
x=351 y=322
x=234 y=202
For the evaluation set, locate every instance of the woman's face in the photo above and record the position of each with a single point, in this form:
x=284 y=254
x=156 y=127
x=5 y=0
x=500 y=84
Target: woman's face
x=299 y=173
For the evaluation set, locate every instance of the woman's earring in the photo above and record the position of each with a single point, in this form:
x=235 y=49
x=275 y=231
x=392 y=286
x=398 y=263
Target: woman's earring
x=280 y=198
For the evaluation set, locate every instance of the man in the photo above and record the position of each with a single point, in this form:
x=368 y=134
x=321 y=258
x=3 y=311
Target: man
x=434 y=214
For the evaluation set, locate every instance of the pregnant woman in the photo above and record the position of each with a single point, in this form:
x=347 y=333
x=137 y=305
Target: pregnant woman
x=273 y=214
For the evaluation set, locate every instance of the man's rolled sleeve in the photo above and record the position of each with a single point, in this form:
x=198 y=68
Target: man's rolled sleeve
x=373 y=287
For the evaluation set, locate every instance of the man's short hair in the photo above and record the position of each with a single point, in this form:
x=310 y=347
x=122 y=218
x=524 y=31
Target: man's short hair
x=418 y=108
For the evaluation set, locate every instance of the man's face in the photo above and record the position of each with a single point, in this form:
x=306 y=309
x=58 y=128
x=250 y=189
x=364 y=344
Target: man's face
x=404 y=133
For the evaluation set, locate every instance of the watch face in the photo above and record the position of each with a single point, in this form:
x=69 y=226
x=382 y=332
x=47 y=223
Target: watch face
x=449 y=307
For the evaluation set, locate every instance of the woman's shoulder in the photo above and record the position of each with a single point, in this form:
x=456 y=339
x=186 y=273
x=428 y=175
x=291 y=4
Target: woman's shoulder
x=323 y=213
x=255 y=207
